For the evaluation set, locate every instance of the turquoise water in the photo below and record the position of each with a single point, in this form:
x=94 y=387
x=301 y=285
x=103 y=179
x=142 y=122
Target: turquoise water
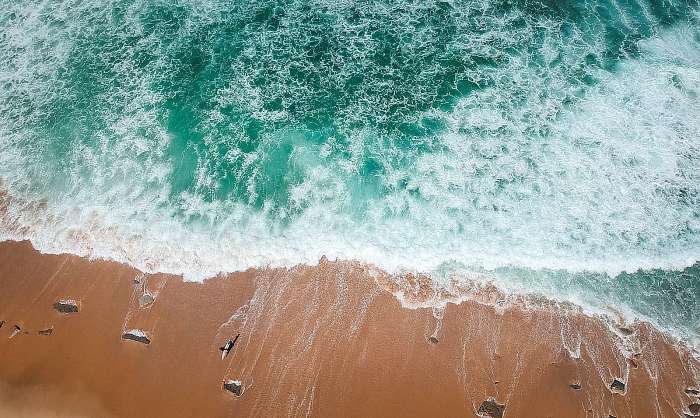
x=553 y=144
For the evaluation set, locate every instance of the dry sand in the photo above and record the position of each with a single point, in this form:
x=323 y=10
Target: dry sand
x=326 y=341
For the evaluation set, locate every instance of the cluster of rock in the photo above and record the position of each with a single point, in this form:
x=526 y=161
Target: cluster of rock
x=694 y=408
x=137 y=335
x=617 y=386
x=70 y=306
x=66 y=306
x=491 y=408
x=234 y=386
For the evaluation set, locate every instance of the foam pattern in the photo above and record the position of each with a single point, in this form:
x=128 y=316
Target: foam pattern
x=195 y=137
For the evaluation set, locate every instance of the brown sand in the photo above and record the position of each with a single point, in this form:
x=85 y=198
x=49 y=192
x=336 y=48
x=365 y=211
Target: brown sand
x=325 y=341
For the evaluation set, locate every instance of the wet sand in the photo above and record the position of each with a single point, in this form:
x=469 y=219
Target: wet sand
x=331 y=340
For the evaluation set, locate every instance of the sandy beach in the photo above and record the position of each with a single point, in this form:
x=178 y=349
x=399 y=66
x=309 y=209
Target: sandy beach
x=322 y=341
x=233 y=209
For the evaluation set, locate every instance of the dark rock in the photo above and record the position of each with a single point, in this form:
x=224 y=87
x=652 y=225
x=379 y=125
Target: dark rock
x=433 y=339
x=136 y=335
x=47 y=331
x=234 y=386
x=16 y=330
x=626 y=330
x=575 y=386
x=617 y=386
x=692 y=391
x=491 y=408
x=66 y=306
x=612 y=416
x=694 y=409
x=2 y=323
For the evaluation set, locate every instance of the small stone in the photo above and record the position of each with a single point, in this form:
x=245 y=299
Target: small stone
x=145 y=300
x=575 y=386
x=612 y=416
x=491 y=408
x=234 y=386
x=688 y=391
x=2 y=323
x=433 y=339
x=136 y=335
x=66 y=306
x=626 y=330
x=47 y=331
x=16 y=330
x=694 y=409
x=617 y=386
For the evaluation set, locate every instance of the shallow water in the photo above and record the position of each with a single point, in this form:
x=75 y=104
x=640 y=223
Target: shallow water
x=553 y=145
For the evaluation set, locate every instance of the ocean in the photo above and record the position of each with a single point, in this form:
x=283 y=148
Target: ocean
x=552 y=147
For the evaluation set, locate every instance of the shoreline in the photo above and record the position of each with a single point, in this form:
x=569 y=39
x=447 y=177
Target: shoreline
x=326 y=340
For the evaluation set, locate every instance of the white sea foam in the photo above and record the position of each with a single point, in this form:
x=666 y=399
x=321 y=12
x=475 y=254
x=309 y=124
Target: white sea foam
x=585 y=197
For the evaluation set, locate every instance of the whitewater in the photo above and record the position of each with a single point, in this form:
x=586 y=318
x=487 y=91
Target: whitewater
x=551 y=146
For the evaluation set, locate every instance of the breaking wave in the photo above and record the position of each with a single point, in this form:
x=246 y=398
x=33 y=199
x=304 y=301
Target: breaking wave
x=552 y=144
